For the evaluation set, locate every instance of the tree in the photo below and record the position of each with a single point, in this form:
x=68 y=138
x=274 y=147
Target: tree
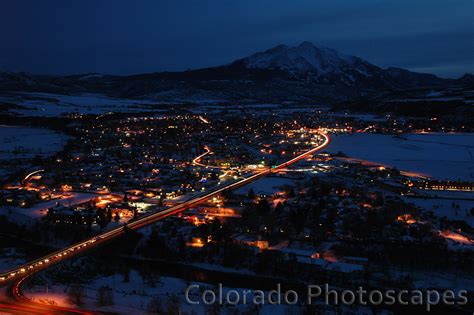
x=105 y=296
x=216 y=225
x=109 y=214
x=76 y=294
x=263 y=207
x=228 y=194
x=213 y=309
x=116 y=217
x=279 y=208
x=298 y=218
x=290 y=192
x=126 y=274
x=102 y=218
x=251 y=194
x=155 y=306
x=172 y=305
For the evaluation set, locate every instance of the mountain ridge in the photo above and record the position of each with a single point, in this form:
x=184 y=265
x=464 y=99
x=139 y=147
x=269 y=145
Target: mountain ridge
x=280 y=73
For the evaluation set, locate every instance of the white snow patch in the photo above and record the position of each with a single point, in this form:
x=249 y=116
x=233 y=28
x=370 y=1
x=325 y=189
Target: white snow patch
x=439 y=155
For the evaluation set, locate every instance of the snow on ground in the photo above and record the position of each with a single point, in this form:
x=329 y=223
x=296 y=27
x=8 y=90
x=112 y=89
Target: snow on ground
x=440 y=280
x=438 y=155
x=447 y=194
x=52 y=105
x=9 y=257
x=133 y=297
x=23 y=215
x=444 y=207
x=26 y=142
x=267 y=185
x=457 y=241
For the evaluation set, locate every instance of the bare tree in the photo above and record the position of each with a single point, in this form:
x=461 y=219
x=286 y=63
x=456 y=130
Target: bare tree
x=105 y=296
x=76 y=294
x=155 y=306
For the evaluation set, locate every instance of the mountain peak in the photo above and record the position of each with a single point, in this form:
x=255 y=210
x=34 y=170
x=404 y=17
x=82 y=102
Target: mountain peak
x=304 y=71
x=306 y=44
x=466 y=78
x=304 y=59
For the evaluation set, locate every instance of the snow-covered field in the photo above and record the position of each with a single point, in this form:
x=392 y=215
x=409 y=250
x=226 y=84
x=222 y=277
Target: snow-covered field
x=25 y=215
x=53 y=105
x=441 y=280
x=26 y=142
x=447 y=208
x=133 y=297
x=438 y=155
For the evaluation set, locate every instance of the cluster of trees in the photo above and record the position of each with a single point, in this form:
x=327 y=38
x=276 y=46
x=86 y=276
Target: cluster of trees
x=77 y=295
x=451 y=113
x=168 y=306
x=105 y=296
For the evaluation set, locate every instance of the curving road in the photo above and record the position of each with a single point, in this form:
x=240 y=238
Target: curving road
x=196 y=160
x=18 y=275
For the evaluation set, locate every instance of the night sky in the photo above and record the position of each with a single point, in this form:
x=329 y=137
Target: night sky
x=125 y=37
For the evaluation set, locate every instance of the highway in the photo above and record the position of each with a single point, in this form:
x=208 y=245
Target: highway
x=19 y=274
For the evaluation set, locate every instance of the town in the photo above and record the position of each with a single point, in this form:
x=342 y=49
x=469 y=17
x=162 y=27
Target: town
x=236 y=157
x=307 y=221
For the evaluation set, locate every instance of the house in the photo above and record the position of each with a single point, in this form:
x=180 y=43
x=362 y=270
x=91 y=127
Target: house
x=250 y=240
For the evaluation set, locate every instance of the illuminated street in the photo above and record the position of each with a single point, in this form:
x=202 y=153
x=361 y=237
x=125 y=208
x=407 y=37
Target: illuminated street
x=236 y=157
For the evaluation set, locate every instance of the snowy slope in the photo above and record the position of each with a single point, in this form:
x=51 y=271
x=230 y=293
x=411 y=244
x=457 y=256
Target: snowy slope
x=306 y=58
x=438 y=155
x=283 y=73
x=320 y=65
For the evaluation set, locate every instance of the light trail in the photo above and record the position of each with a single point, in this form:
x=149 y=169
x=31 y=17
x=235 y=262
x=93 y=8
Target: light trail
x=31 y=174
x=204 y=120
x=196 y=160
x=21 y=273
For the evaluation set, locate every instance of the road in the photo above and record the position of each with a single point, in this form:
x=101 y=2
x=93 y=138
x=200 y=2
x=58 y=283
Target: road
x=10 y=304
x=196 y=160
x=19 y=274
x=31 y=174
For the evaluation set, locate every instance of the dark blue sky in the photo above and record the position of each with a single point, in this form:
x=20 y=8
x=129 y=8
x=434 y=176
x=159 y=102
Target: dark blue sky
x=124 y=37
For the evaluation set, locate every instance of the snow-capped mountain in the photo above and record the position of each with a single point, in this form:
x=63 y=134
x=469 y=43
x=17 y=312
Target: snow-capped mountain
x=327 y=66
x=303 y=72
x=307 y=59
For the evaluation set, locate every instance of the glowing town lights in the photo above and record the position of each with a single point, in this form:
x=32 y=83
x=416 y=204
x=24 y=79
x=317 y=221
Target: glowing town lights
x=214 y=196
x=457 y=237
x=406 y=218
